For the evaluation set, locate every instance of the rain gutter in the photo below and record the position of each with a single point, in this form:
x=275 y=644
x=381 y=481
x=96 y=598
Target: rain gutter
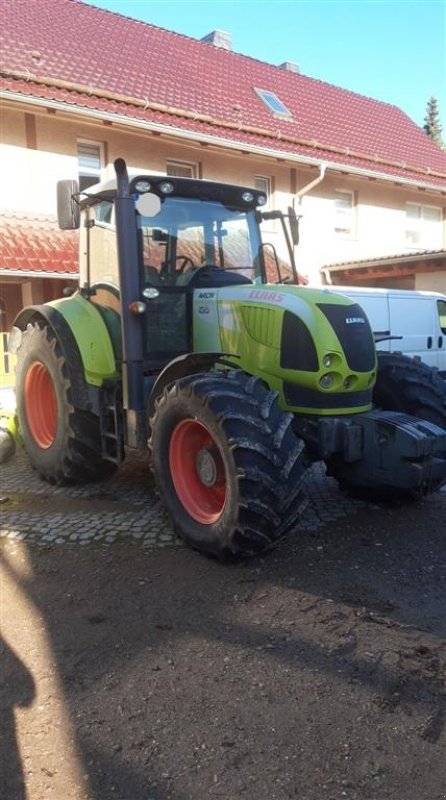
x=267 y=152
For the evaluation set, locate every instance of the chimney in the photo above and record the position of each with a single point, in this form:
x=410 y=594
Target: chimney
x=218 y=39
x=290 y=66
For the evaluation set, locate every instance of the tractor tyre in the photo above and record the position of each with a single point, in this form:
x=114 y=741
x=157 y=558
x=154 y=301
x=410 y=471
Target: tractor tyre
x=227 y=463
x=410 y=386
x=62 y=442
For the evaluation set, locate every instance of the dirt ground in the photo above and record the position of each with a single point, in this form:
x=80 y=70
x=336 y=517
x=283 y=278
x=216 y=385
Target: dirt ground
x=315 y=672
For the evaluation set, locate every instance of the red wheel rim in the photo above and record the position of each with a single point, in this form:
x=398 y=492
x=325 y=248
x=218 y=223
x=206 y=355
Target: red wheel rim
x=40 y=405
x=197 y=471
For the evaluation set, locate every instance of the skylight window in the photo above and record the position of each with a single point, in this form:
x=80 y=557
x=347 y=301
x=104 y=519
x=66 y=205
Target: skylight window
x=274 y=104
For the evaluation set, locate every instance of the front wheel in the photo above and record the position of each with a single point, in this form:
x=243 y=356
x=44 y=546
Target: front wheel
x=63 y=442
x=227 y=463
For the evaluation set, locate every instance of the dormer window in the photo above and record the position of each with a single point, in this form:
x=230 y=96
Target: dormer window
x=274 y=104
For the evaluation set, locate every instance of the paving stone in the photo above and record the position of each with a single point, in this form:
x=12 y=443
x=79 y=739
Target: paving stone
x=136 y=513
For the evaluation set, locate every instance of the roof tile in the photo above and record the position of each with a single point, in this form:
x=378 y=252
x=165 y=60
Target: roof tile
x=34 y=243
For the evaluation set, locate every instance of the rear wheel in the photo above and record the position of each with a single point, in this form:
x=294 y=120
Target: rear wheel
x=410 y=386
x=227 y=463
x=63 y=442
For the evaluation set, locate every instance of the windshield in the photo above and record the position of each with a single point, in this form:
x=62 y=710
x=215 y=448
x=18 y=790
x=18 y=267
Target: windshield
x=189 y=234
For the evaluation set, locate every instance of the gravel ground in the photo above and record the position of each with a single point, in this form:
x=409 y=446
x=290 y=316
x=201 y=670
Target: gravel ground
x=136 y=669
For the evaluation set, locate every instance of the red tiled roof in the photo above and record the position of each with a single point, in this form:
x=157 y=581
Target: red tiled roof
x=34 y=243
x=84 y=56
x=411 y=256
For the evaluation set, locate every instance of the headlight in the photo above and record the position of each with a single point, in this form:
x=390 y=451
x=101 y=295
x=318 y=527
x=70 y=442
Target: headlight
x=166 y=187
x=142 y=186
x=327 y=361
x=326 y=381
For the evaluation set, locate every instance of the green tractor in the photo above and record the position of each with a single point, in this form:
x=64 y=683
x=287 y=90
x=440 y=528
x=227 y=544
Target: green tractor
x=190 y=337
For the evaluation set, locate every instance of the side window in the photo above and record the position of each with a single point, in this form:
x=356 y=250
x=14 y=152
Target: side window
x=423 y=226
x=103 y=213
x=103 y=250
x=344 y=214
x=90 y=162
x=181 y=169
x=441 y=306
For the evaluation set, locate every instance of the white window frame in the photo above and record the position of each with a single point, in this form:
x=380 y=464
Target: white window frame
x=265 y=94
x=420 y=233
x=266 y=188
x=97 y=174
x=184 y=165
x=102 y=223
x=349 y=214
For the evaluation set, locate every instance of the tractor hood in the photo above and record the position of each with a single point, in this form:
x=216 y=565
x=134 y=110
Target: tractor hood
x=315 y=348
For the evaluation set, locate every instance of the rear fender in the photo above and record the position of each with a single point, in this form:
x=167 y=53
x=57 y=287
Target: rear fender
x=84 y=341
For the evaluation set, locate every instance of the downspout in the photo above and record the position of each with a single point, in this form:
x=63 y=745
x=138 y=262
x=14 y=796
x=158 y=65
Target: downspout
x=327 y=275
x=319 y=179
x=299 y=194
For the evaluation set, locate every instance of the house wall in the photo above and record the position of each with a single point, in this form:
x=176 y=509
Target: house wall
x=17 y=293
x=11 y=297
x=38 y=148
x=380 y=222
x=431 y=282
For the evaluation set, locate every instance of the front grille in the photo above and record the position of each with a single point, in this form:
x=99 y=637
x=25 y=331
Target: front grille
x=297 y=349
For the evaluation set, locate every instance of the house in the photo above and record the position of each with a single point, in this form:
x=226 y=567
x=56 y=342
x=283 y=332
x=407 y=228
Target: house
x=81 y=86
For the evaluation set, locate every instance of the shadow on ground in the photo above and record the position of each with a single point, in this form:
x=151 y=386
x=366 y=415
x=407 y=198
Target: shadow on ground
x=315 y=671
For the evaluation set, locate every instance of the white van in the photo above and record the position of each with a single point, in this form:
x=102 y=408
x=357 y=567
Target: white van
x=418 y=317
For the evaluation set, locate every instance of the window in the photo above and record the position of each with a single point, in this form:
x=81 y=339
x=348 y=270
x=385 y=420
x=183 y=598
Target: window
x=423 y=226
x=264 y=185
x=344 y=212
x=103 y=212
x=90 y=162
x=181 y=169
x=274 y=104
x=441 y=305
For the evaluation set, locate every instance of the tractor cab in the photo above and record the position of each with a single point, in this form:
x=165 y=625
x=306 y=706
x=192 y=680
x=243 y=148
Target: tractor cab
x=175 y=235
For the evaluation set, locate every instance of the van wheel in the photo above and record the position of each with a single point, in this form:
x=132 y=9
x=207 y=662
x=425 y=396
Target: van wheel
x=408 y=385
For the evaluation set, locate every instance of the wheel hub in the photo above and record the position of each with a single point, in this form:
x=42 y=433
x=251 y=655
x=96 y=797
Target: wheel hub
x=40 y=405
x=197 y=471
x=206 y=467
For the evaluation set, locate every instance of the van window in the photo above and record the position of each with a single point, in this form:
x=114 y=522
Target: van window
x=441 y=306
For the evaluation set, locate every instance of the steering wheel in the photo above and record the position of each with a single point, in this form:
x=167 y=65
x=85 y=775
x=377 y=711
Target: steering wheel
x=185 y=262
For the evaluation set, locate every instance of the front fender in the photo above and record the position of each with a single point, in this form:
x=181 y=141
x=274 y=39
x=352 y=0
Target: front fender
x=179 y=367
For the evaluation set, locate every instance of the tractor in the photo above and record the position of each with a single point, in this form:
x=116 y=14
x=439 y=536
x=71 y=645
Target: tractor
x=190 y=337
